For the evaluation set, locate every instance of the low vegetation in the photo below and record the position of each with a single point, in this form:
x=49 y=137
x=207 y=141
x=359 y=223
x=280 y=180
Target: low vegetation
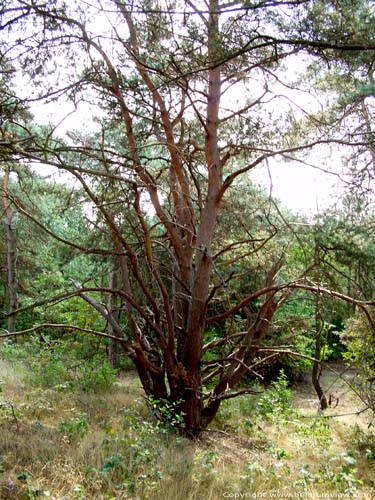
x=63 y=440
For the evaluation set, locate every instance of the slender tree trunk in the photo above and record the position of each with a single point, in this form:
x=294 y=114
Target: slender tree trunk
x=11 y=255
x=113 y=347
x=317 y=370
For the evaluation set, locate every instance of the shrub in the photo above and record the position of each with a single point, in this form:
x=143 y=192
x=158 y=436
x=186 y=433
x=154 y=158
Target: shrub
x=76 y=427
x=166 y=414
x=96 y=375
x=359 y=340
x=132 y=454
x=66 y=364
x=276 y=400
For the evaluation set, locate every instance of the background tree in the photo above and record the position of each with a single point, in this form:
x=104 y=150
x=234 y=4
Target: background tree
x=10 y=253
x=12 y=112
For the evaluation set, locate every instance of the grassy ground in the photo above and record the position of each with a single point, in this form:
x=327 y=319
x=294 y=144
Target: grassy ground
x=65 y=444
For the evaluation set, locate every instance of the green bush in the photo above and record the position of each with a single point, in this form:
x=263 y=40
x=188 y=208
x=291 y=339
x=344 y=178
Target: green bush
x=132 y=454
x=276 y=400
x=76 y=427
x=65 y=364
x=22 y=351
x=359 y=340
x=96 y=375
x=167 y=416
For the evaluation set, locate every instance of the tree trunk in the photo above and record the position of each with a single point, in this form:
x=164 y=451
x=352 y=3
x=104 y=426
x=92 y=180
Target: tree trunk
x=191 y=355
x=11 y=256
x=113 y=347
x=317 y=370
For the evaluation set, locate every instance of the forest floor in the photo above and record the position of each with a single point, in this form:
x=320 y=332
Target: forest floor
x=61 y=444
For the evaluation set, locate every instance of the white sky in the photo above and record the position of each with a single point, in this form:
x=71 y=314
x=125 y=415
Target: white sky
x=303 y=189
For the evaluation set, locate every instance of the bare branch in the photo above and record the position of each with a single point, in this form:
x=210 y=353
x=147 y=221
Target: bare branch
x=62 y=326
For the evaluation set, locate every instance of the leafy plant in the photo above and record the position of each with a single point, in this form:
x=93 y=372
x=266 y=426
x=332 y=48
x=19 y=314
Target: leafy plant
x=205 y=470
x=167 y=415
x=96 y=374
x=76 y=427
x=319 y=430
x=276 y=400
x=35 y=492
x=132 y=455
x=66 y=364
x=364 y=442
x=345 y=478
x=359 y=340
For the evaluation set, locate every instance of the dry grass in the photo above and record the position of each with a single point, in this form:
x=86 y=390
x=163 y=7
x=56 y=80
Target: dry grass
x=36 y=456
x=11 y=378
x=295 y=456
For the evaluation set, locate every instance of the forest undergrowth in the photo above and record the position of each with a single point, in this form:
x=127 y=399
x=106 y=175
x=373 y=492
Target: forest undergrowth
x=66 y=440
